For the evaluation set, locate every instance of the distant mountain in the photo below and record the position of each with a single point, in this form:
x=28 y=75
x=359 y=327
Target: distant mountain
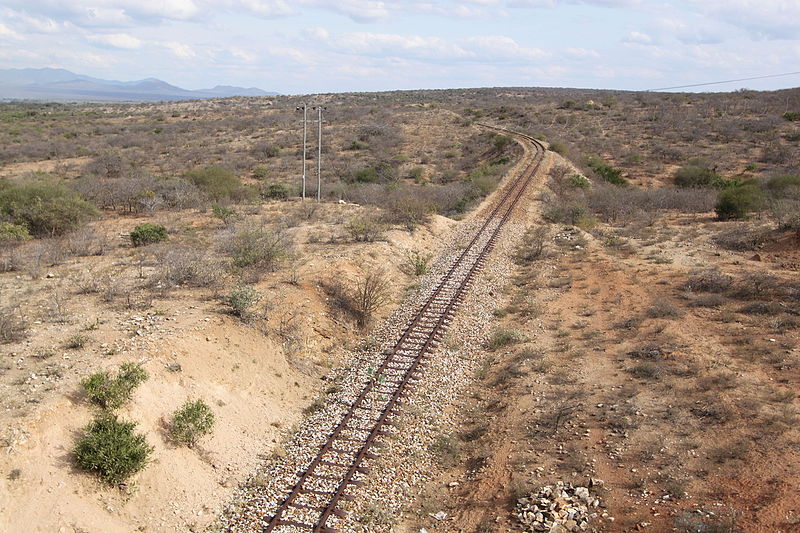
x=57 y=84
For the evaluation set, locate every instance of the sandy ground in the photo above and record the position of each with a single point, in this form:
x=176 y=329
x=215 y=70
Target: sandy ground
x=258 y=380
x=703 y=436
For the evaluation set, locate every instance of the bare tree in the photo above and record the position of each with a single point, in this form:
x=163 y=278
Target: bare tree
x=370 y=293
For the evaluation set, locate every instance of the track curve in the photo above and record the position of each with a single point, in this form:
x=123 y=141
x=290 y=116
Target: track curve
x=325 y=482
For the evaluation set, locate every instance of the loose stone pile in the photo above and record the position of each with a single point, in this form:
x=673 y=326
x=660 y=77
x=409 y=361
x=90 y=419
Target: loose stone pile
x=557 y=508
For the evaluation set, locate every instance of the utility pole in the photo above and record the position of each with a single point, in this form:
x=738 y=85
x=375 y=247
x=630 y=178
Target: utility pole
x=319 y=154
x=305 y=137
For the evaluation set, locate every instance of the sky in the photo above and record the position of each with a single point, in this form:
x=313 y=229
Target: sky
x=310 y=46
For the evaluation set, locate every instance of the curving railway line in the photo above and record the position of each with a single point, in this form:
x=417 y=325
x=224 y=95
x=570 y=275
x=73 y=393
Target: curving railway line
x=313 y=501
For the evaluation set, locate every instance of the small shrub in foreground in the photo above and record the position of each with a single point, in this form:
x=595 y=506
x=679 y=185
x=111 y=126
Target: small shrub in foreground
x=112 y=392
x=145 y=234
x=505 y=337
x=191 y=421
x=415 y=263
x=111 y=449
x=77 y=341
x=242 y=299
x=647 y=370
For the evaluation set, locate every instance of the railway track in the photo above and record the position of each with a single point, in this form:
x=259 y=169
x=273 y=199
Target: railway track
x=340 y=465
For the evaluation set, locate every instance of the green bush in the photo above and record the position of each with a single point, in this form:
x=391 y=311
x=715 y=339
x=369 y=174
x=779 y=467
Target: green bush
x=558 y=148
x=191 y=421
x=260 y=172
x=417 y=174
x=275 y=191
x=501 y=142
x=43 y=207
x=355 y=145
x=367 y=175
x=242 y=299
x=216 y=182
x=112 y=392
x=792 y=115
x=576 y=180
x=111 y=449
x=77 y=341
x=505 y=337
x=365 y=228
x=225 y=214
x=13 y=232
x=606 y=171
x=146 y=233
x=697 y=174
x=783 y=185
x=383 y=172
x=737 y=202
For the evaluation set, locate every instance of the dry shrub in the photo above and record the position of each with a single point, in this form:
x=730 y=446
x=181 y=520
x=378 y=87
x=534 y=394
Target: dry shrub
x=371 y=292
x=647 y=370
x=663 y=309
x=43 y=254
x=712 y=410
x=366 y=228
x=185 y=266
x=762 y=308
x=363 y=297
x=532 y=246
x=708 y=300
x=12 y=326
x=756 y=285
x=87 y=282
x=718 y=381
x=86 y=242
x=652 y=352
x=256 y=248
x=736 y=450
x=709 y=280
x=12 y=258
x=742 y=239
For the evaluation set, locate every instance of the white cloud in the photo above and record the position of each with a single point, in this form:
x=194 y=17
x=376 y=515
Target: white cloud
x=117 y=40
x=556 y=3
x=581 y=53
x=771 y=19
x=425 y=48
x=8 y=33
x=179 y=50
x=638 y=38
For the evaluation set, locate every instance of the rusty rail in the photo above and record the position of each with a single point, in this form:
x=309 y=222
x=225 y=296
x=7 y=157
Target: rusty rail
x=408 y=355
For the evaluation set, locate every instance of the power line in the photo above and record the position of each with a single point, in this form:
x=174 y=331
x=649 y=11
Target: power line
x=726 y=81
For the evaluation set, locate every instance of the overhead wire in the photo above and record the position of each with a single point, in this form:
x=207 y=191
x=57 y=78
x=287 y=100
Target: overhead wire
x=725 y=81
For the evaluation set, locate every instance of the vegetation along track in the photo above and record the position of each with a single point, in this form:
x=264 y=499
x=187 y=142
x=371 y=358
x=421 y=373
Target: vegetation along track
x=324 y=483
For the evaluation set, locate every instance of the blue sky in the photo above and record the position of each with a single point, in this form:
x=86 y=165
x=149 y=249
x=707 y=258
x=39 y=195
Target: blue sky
x=306 y=46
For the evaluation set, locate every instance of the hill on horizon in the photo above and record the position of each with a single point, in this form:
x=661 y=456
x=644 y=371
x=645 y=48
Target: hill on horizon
x=53 y=84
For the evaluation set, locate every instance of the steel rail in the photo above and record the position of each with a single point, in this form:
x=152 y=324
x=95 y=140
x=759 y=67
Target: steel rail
x=406 y=343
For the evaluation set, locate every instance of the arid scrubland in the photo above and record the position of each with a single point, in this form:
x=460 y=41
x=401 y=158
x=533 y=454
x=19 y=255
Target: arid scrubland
x=649 y=338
